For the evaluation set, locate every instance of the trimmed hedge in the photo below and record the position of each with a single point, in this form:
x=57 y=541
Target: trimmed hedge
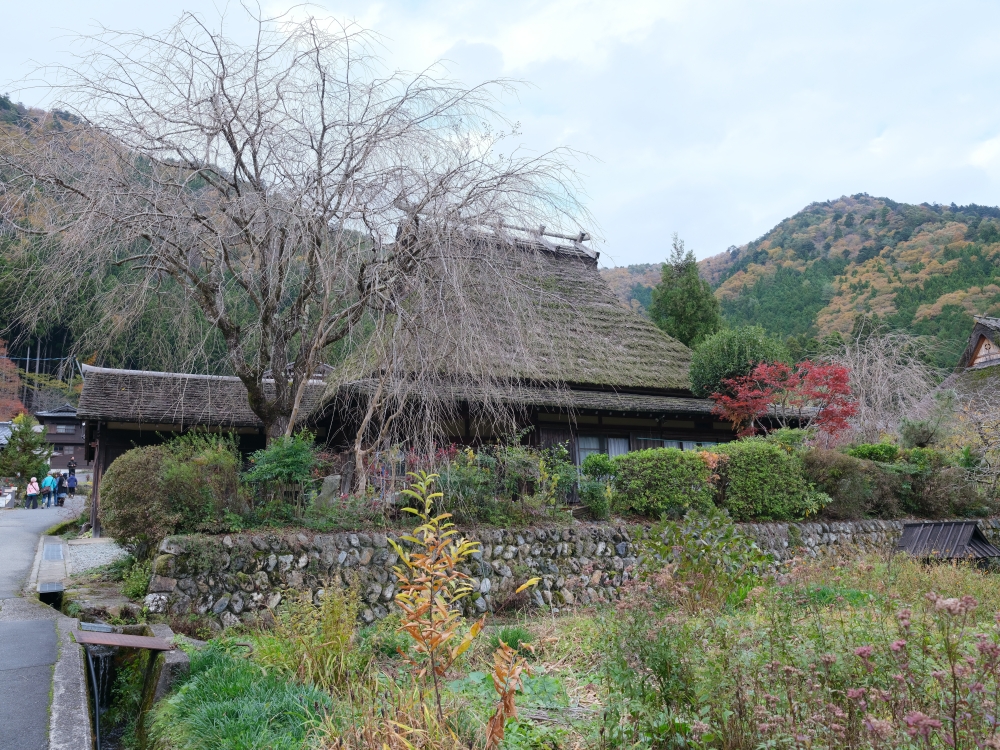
x=662 y=481
x=763 y=481
x=187 y=485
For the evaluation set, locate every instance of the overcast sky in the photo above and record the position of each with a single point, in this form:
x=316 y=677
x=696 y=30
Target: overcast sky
x=712 y=119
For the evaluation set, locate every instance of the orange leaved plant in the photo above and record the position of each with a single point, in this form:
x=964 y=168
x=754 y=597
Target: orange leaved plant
x=430 y=586
x=508 y=667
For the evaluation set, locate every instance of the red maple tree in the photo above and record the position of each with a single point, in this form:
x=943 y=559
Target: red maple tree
x=808 y=394
x=10 y=387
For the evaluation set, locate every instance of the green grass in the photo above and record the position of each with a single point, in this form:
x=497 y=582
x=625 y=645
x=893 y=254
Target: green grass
x=68 y=528
x=232 y=703
x=823 y=595
x=514 y=636
x=135 y=583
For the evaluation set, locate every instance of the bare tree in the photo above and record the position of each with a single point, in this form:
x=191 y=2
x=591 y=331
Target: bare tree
x=291 y=194
x=890 y=379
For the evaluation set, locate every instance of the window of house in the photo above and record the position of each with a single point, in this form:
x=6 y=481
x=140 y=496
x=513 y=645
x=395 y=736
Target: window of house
x=648 y=442
x=57 y=450
x=67 y=450
x=587 y=445
x=617 y=446
x=66 y=429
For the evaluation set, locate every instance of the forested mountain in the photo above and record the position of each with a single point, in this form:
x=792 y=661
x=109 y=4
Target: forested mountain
x=925 y=269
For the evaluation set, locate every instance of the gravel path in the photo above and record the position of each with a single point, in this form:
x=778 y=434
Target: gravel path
x=86 y=556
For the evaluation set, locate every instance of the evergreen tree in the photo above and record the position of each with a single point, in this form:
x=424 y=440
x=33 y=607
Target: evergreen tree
x=27 y=452
x=682 y=303
x=731 y=353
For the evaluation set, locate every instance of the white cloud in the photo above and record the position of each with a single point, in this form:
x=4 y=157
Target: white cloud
x=714 y=118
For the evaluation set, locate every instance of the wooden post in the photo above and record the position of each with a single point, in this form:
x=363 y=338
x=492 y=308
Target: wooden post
x=95 y=487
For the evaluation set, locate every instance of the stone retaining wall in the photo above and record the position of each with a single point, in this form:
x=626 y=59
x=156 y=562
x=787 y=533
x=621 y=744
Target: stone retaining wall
x=240 y=577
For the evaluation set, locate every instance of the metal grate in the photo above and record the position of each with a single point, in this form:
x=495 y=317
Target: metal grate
x=52 y=552
x=49 y=587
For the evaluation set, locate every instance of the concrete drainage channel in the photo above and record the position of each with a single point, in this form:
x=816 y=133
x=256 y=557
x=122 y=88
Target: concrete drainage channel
x=89 y=656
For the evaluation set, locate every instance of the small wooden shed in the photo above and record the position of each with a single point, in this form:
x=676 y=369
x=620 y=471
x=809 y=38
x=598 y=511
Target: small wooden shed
x=946 y=540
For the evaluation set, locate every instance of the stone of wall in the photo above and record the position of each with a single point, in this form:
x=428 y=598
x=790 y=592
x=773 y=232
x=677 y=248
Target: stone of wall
x=787 y=540
x=239 y=577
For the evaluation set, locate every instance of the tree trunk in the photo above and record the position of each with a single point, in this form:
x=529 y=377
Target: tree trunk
x=277 y=427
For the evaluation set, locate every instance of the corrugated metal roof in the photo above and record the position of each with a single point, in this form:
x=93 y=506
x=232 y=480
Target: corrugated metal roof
x=946 y=540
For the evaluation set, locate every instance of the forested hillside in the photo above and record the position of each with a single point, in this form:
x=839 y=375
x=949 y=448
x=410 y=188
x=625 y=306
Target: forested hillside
x=923 y=269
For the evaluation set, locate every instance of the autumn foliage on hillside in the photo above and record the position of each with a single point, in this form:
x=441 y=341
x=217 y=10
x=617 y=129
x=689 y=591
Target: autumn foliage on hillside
x=919 y=269
x=10 y=387
x=808 y=394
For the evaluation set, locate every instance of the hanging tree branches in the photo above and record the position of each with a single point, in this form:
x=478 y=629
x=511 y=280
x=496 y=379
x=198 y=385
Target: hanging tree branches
x=289 y=195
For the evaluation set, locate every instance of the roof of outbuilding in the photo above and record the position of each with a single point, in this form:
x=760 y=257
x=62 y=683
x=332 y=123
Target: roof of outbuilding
x=5 y=429
x=946 y=540
x=64 y=411
x=557 y=322
x=172 y=398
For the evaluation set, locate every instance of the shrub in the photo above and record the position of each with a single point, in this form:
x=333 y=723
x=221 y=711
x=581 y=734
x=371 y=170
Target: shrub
x=284 y=468
x=505 y=483
x=761 y=481
x=731 y=353
x=135 y=585
x=134 y=509
x=921 y=482
x=857 y=488
x=703 y=560
x=662 y=481
x=183 y=486
x=884 y=452
x=597 y=466
x=596 y=498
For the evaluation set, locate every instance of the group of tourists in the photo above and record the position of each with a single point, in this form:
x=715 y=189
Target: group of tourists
x=54 y=489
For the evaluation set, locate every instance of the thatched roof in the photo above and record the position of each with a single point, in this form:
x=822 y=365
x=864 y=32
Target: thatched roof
x=985 y=333
x=172 y=398
x=557 y=323
x=560 y=399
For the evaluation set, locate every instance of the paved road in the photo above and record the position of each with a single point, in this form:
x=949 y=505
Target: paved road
x=27 y=632
x=19 y=532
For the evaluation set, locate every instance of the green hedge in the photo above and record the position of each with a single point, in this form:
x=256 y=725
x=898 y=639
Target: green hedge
x=662 y=481
x=189 y=484
x=762 y=481
x=884 y=452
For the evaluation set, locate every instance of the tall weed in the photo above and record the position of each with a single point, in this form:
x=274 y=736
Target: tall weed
x=315 y=643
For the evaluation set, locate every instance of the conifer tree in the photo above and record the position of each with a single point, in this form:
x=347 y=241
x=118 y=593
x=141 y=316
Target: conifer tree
x=683 y=303
x=27 y=452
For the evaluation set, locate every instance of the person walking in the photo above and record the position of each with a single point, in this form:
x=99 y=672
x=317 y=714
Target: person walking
x=31 y=494
x=71 y=484
x=62 y=490
x=48 y=488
